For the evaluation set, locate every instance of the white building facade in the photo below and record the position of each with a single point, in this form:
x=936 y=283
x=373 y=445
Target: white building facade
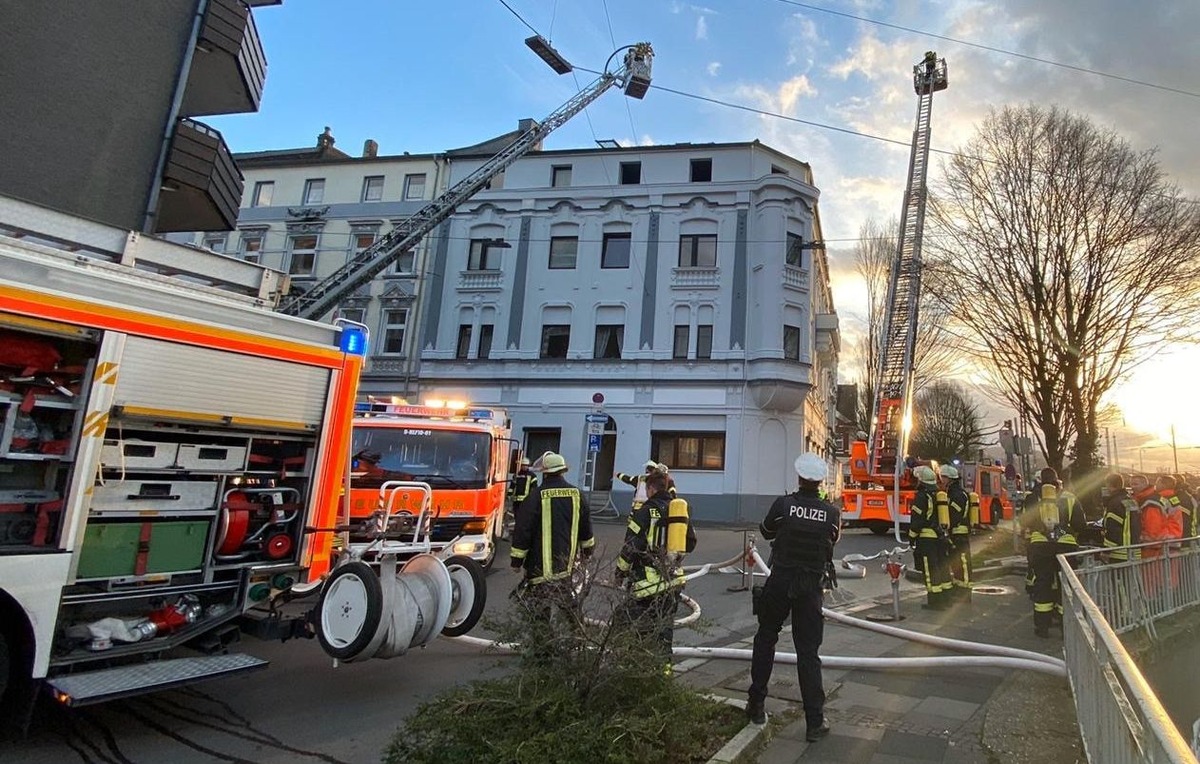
x=669 y=296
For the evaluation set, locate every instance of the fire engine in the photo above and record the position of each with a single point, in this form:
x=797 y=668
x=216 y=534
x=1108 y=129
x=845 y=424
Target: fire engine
x=464 y=453
x=173 y=465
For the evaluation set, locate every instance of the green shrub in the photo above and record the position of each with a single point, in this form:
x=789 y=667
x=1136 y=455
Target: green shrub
x=581 y=692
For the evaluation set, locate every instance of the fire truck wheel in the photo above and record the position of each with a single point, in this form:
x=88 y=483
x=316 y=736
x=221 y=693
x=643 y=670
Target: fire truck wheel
x=468 y=592
x=349 y=610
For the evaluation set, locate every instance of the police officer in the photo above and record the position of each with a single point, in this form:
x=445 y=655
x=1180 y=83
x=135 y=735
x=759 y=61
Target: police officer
x=930 y=539
x=552 y=528
x=653 y=572
x=960 y=533
x=803 y=530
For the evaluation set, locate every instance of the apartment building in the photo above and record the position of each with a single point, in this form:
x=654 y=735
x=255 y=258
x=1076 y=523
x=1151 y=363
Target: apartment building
x=661 y=302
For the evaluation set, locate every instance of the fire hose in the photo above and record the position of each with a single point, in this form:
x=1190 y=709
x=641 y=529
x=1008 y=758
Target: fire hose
x=992 y=656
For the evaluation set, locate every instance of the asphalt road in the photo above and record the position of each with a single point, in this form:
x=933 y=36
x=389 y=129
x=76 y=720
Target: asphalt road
x=303 y=709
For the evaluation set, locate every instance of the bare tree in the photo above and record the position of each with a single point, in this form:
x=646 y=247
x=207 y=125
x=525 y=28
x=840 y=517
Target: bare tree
x=934 y=357
x=948 y=423
x=1067 y=258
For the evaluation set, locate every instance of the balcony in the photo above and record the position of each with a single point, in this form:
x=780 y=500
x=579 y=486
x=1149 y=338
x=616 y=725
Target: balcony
x=480 y=281
x=795 y=278
x=696 y=278
x=228 y=68
x=201 y=186
x=828 y=336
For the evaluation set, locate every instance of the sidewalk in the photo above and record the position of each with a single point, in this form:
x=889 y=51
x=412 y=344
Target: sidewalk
x=984 y=715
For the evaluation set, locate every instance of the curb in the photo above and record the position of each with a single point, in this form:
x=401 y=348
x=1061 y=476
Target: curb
x=740 y=743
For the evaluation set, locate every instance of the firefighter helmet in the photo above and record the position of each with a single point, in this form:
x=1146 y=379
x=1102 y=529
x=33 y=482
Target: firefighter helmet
x=552 y=463
x=948 y=471
x=925 y=474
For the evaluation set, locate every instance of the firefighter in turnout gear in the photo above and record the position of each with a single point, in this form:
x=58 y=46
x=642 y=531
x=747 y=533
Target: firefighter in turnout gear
x=802 y=530
x=960 y=533
x=639 y=483
x=552 y=529
x=1052 y=523
x=1122 y=521
x=930 y=538
x=522 y=483
x=649 y=562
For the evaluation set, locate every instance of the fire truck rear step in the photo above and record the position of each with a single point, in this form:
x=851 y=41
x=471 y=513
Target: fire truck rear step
x=125 y=681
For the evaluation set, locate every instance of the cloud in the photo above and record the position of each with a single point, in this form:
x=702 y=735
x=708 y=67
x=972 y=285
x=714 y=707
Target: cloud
x=713 y=68
x=781 y=98
x=646 y=140
x=701 y=27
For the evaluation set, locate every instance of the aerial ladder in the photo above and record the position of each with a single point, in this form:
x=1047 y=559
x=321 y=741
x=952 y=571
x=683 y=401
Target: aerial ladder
x=634 y=79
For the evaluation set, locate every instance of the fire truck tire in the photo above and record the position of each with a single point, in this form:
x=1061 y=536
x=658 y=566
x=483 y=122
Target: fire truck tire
x=349 y=610
x=468 y=592
x=16 y=668
x=879 y=528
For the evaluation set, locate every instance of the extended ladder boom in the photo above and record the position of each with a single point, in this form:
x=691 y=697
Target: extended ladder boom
x=891 y=418
x=323 y=297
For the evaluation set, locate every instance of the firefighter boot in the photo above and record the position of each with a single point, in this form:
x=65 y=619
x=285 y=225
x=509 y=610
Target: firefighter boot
x=756 y=711
x=813 y=734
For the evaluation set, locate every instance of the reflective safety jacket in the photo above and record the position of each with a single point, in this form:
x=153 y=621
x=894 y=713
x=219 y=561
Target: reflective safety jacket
x=1191 y=523
x=522 y=484
x=639 y=487
x=1122 y=526
x=552 y=527
x=802 y=530
x=960 y=523
x=1162 y=519
x=1053 y=516
x=922 y=520
x=644 y=557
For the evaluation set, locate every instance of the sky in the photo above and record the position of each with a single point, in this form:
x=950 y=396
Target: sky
x=425 y=77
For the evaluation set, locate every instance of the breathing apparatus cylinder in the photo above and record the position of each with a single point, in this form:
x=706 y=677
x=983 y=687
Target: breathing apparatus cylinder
x=973 y=509
x=677 y=524
x=942 y=502
x=1048 y=506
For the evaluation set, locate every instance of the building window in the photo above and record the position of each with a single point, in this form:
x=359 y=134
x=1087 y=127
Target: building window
x=791 y=342
x=560 y=176
x=563 y=251
x=361 y=241
x=395 y=323
x=615 y=252
x=216 y=241
x=609 y=339
x=463 y=348
x=631 y=173
x=303 y=249
x=704 y=341
x=484 y=255
x=795 y=251
x=314 y=191
x=485 y=340
x=414 y=186
x=251 y=247
x=556 y=338
x=263 y=191
x=357 y=315
x=698 y=251
x=372 y=188
x=679 y=349
x=701 y=170
x=777 y=170
x=405 y=263
x=689 y=450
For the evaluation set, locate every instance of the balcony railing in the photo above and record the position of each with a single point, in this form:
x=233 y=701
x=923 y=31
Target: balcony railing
x=795 y=278
x=480 y=281
x=696 y=278
x=228 y=68
x=201 y=185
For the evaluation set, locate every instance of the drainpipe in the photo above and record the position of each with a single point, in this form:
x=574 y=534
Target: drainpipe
x=185 y=68
x=412 y=376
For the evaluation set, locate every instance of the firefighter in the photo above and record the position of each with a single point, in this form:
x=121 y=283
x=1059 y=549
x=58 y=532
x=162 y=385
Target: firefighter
x=1187 y=504
x=930 y=539
x=1122 y=521
x=522 y=483
x=639 y=483
x=650 y=568
x=552 y=528
x=960 y=533
x=1052 y=524
x=803 y=530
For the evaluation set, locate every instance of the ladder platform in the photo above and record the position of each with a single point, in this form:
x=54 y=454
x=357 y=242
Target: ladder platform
x=89 y=687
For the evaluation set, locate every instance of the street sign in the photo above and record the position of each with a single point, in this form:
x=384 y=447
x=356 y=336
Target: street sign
x=595 y=428
x=594 y=442
x=601 y=418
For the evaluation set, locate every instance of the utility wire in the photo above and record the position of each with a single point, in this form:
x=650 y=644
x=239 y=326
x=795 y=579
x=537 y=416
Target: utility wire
x=993 y=49
x=519 y=17
x=613 y=39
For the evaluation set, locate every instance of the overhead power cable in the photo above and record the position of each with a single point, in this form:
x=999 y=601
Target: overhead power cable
x=519 y=17
x=992 y=49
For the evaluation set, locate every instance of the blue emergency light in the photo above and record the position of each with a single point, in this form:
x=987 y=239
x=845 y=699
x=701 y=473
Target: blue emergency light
x=353 y=341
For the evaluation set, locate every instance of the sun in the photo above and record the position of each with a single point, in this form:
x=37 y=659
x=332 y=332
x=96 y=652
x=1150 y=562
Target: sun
x=1160 y=395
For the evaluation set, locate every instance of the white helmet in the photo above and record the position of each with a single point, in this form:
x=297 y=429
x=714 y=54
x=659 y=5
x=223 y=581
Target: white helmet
x=925 y=474
x=811 y=467
x=948 y=471
x=650 y=465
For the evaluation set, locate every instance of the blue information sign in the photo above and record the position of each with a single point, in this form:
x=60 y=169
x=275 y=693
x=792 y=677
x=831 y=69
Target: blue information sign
x=594 y=442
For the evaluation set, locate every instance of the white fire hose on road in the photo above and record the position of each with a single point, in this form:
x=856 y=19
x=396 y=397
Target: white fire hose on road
x=987 y=656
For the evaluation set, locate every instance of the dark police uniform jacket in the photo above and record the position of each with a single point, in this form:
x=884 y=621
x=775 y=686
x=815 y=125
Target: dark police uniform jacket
x=803 y=530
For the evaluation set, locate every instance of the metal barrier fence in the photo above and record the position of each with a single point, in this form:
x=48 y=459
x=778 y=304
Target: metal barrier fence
x=1120 y=718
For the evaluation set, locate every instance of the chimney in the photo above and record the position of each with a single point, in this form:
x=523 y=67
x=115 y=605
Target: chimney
x=370 y=149
x=325 y=140
x=527 y=124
